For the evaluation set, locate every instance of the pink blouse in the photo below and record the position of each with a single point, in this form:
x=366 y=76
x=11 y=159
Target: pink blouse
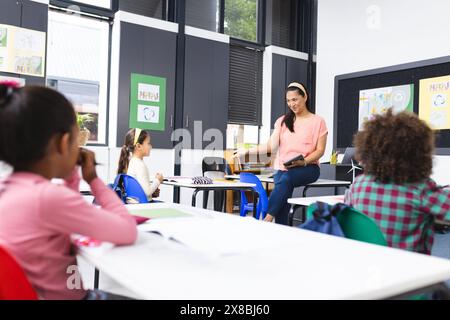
x=303 y=140
x=37 y=219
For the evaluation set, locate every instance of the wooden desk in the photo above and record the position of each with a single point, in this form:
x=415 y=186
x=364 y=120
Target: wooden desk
x=243 y=268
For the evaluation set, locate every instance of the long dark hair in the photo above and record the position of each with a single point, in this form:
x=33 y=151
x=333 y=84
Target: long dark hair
x=128 y=148
x=289 y=118
x=29 y=118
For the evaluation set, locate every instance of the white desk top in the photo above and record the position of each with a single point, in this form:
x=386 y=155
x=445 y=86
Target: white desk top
x=262 y=178
x=306 y=201
x=317 y=266
x=186 y=182
x=319 y=182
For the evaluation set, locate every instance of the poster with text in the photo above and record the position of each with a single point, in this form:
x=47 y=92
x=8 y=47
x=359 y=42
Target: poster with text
x=22 y=51
x=434 y=106
x=147 y=102
x=379 y=100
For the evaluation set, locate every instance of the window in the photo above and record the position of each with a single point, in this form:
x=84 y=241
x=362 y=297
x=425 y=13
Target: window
x=284 y=23
x=245 y=91
x=77 y=66
x=97 y=3
x=150 y=8
x=241 y=19
x=203 y=14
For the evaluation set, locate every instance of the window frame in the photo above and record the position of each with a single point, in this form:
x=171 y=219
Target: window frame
x=108 y=75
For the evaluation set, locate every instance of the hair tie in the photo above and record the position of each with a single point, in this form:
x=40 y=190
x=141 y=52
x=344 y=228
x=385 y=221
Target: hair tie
x=10 y=86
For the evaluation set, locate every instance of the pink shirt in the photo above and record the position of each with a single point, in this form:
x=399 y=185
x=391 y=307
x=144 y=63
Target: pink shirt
x=303 y=140
x=37 y=218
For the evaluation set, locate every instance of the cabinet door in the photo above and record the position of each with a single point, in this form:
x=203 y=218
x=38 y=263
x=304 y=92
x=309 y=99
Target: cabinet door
x=284 y=71
x=10 y=12
x=151 y=52
x=35 y=17
x=206 y=92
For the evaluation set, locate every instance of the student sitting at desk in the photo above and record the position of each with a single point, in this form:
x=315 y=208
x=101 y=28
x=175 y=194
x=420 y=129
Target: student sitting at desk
x=396 y=189
x=39 y=139
x=137 y=146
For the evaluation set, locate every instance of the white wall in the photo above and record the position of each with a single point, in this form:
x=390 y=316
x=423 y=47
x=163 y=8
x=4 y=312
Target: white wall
x=356 y=35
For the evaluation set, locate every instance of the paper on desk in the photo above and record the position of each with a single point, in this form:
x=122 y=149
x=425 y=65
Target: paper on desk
x=215 y=237
x=158 y=212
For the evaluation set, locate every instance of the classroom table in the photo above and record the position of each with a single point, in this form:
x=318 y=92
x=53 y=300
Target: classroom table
x=227 y=257
x=216 y=185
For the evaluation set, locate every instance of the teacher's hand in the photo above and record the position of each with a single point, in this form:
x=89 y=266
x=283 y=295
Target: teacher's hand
x=296 y=163
x=240 y=153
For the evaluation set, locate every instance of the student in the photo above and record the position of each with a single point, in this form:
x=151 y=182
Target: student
x=137 y=146
x=396 y=190
x=38 y=138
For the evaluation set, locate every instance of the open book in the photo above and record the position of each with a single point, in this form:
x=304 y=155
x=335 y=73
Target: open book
x=213 y=236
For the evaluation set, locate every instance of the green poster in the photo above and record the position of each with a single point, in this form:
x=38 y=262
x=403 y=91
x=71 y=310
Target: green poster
x=147 y=102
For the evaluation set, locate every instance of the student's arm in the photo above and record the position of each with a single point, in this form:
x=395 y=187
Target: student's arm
x=65 y=211
x=143 y=178
x=436 y=201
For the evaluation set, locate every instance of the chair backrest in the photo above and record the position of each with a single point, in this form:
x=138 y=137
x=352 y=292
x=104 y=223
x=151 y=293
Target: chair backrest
x=14 y=284
x=132 y=188
x=215 y=164
x=348 y=155
x=263 y=200
x=358 y=226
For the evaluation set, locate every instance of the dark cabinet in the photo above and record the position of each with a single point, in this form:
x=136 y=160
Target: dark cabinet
x=284 y=70
x=152 y=52
x=206 y=92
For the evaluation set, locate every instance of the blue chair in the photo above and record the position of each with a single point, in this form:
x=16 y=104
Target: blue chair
x=131 y=187
x=263 y=201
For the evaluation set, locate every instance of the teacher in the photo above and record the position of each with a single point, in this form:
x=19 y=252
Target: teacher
x=298 y=132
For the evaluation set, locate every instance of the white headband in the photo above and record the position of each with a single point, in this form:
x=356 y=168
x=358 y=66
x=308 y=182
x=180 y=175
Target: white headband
x=137 y=133
x=297 y=85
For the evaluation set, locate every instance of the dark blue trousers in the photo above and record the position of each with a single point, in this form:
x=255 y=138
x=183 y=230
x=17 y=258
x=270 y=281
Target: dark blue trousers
x=285 y=182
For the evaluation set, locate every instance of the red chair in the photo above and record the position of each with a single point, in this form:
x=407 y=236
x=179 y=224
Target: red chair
x=14 y=284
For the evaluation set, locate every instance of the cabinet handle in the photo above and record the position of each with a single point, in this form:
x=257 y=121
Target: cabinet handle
x=171 y=120
x=187 y=121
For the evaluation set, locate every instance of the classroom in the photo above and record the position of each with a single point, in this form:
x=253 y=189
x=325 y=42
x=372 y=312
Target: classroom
x=224 y=150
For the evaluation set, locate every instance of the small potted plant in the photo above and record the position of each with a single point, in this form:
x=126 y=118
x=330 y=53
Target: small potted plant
x=82 y=120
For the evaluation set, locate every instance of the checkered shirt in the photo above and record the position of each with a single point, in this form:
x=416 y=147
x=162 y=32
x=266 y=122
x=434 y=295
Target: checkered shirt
x=404 y=213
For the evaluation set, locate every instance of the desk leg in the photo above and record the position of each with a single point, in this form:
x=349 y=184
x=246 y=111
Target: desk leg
x=176 y=194
x=194 y=197
x=291 y=214
x=96 y=278
x=255 y=202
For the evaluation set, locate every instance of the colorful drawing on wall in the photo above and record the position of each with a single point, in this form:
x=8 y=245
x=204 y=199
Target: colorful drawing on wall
x=3 y=37
x=147 y=102
x=379 y=100
x=22 y=51
x=434 y=106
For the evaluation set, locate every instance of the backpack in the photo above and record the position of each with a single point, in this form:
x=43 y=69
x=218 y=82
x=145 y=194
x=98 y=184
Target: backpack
x=119 y=188
x=324 y=219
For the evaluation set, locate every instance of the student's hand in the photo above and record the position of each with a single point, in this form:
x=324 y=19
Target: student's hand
x=268 y=218
x=240 y=153
x=156 y=193
x=86 y=160
x=160 y=177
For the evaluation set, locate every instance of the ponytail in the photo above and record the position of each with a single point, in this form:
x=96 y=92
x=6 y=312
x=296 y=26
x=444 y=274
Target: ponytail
x=124 y=160
x=128 y=149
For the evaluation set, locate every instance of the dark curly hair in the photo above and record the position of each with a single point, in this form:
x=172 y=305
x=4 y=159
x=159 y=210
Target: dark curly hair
x=396 y=148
